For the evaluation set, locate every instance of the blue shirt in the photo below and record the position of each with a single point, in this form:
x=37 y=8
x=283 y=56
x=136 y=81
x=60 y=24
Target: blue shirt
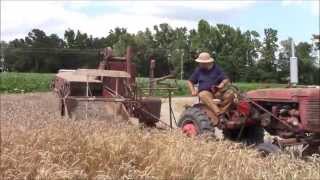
x=207 y=78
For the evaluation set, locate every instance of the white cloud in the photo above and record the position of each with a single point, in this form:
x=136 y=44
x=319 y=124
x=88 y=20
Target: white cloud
x=19 y=17
x=291 y=2
x=216 y=6
x=76 y=5
x=315 y=8
x=313 y=5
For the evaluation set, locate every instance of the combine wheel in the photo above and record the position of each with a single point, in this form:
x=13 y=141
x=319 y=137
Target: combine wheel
x=267 y=149
x=249 y=135
x=195 y=122
x=310 y=150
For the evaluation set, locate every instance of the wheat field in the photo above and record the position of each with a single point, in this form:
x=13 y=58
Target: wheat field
x=36 y=143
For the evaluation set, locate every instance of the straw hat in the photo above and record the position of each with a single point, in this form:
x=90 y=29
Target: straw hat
x=204 y=57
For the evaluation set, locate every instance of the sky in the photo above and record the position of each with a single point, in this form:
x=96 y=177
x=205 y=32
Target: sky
x=298 y=19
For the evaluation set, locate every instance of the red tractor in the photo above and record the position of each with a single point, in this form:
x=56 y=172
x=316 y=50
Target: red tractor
x=293 y=114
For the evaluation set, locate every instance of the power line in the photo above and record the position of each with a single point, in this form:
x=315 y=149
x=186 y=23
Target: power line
x=54 y=50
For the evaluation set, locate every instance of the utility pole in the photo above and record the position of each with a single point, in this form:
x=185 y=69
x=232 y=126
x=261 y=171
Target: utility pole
x=151 y=77
x=182 y=54
x=2 y=58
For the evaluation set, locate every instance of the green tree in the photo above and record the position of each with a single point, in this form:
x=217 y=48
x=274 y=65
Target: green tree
x=308 y=72
x=123 y=42
x=232 y=54
x=114 y=36
x=144 y=49
x=164 y=39
x=251 y=46
x=267 y=65
x=241 y=54
x=37 y=57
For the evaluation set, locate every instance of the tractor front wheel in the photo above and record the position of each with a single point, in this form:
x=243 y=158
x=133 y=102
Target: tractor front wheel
x=194 y=121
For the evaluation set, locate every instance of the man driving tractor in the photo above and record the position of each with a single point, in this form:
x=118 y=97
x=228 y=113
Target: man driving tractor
x=212 y=84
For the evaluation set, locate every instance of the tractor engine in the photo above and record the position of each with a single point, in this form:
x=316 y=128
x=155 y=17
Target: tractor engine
x=286 y=112
x=284 y=119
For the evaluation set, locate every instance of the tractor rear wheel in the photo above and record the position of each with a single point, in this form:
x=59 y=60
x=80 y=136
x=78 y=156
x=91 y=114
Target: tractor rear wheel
x=195 y=122
x=249 y=135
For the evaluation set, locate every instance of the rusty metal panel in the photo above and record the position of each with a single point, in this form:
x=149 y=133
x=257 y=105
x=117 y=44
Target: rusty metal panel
x=101 y=72
x=79 y=89
x=73 y=77
x=283 y=94
x=111 y=82
x=149 y=106
x=122 y=66
x=313 y=114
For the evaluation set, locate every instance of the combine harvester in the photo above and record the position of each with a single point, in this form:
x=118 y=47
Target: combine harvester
x=109 y=92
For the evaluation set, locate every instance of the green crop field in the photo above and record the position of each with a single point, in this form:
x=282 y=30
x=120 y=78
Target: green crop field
x=36 y=82
x=25 y=82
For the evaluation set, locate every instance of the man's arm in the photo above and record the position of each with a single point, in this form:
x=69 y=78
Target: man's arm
x=223 y=83
x=222 y=78
x=192 y=90
x=192 y=81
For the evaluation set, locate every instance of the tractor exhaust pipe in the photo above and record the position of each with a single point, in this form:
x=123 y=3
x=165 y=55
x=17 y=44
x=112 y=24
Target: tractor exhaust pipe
x=293 y=66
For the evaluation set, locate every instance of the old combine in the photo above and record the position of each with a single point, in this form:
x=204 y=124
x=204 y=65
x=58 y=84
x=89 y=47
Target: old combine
x=108 y=92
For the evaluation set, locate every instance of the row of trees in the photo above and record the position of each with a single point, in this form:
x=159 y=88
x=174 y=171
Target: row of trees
x=245 y=56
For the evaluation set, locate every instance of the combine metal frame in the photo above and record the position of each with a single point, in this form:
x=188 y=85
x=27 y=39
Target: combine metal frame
x=116 y=76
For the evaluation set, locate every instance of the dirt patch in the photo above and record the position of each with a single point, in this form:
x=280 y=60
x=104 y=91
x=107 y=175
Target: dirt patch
x=178 y=106
x=32 y=106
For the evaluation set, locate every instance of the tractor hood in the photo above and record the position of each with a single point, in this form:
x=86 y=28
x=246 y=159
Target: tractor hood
x=284 y=94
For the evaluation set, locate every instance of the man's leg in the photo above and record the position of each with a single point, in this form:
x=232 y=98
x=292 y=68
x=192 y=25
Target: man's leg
x=207 y=98
x=227 y=98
